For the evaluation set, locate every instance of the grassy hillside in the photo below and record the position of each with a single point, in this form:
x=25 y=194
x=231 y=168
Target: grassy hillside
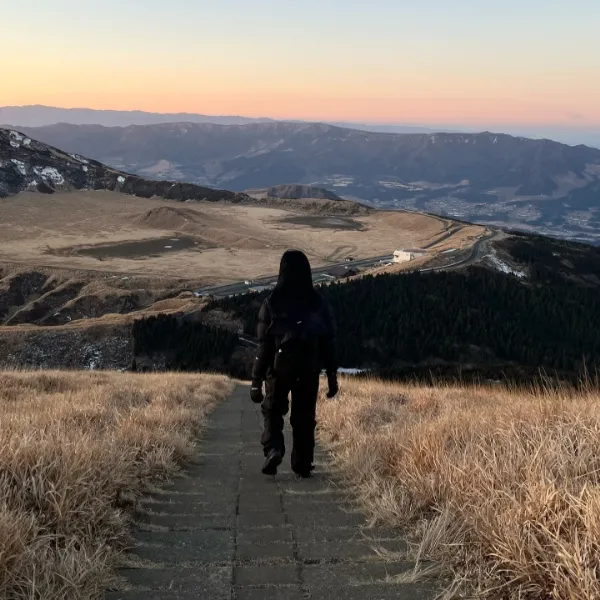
x=76 y=450
x=500 y=487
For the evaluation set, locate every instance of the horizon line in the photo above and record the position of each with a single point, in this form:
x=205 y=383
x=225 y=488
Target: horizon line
x=462 y=128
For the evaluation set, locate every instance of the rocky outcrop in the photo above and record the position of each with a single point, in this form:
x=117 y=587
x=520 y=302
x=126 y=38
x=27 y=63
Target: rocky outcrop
x=296 y=192
x=89 y=348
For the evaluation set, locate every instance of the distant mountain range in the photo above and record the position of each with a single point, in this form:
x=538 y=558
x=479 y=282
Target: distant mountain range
x=40 y=116
x=29 y=165
x=538 y=185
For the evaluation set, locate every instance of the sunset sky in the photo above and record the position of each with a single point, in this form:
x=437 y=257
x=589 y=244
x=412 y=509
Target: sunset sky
x=466 y=62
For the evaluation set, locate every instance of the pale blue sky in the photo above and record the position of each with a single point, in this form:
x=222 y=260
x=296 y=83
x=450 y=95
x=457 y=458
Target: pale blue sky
x=385 y=60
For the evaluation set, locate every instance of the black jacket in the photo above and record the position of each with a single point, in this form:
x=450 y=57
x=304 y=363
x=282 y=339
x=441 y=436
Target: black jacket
x=315 y=322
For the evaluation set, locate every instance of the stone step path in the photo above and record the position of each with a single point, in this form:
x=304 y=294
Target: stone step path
x=224 y=531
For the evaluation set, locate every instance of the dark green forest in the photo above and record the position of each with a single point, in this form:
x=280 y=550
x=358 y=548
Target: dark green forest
x=475 y=317
x=473 y=324
x=551 y=260
x=185 y=346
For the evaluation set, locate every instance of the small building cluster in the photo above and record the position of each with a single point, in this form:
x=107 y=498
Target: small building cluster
x=402 y=256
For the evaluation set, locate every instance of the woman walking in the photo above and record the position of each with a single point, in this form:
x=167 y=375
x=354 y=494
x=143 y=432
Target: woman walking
x=296 y=335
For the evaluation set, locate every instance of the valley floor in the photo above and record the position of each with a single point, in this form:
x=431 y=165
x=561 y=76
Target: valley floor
x=212 y=242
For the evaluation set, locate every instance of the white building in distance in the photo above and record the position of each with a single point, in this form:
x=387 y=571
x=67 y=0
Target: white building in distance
x=401 y=256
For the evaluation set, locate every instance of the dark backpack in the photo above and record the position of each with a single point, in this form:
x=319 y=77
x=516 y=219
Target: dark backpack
x=297 y=335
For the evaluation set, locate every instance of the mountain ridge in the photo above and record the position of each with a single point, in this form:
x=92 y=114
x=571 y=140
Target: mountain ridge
x=491 y=178
x=39 y=115
x=27 y=164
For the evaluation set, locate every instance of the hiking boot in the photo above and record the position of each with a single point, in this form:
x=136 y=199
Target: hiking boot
x=303 y=472
x=272 y=461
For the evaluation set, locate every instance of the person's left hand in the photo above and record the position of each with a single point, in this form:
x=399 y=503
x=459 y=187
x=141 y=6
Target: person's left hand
x=256 y=393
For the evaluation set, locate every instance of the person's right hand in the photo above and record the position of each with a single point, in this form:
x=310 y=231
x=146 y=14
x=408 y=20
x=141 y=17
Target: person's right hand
x=256 y=393
x=333 y=385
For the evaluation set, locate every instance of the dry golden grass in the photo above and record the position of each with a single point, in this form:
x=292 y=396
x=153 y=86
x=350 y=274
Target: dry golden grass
x=76 y=449
x=500 y=487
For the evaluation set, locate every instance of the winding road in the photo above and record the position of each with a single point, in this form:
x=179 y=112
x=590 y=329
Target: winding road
x=320 y=274
x=474 y=256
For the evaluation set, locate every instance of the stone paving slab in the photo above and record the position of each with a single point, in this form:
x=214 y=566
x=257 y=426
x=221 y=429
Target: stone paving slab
x=345 y=534
x=262 y=519
x=351 y=550
x=352 y=574
x=185 y=522
x=260 y=503
x=177 y=577
x=288 y=592
x=262 y=574
x=265 y=536
x=263 y=552
x=224 y=531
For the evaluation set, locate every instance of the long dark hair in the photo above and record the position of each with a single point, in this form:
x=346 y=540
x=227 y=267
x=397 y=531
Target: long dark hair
x=294 y=286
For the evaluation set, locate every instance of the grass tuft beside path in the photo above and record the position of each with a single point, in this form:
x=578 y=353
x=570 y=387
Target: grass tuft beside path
x=500 y=487
x=76 y=449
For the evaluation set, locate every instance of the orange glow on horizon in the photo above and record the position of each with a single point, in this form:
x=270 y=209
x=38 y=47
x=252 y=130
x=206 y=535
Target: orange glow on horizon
x=411 y=97
x=466 y=111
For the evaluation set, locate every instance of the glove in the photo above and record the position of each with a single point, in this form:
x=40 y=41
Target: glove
x=256 y=393
x=333 y=385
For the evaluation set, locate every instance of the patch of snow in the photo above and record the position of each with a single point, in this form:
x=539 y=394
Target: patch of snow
x=449 y=251
x=501 y=266
x=15 y=135
x=352 y=371
x=84 y=169
x=14 y=144
x=26 y=142
x=495 y=140
x=80 y=159
x=121 y=179
x=49 y=173
x=168 y=247
x=20 y=166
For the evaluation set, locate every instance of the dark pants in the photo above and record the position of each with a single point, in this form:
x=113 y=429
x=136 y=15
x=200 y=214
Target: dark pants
x=305 y=390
